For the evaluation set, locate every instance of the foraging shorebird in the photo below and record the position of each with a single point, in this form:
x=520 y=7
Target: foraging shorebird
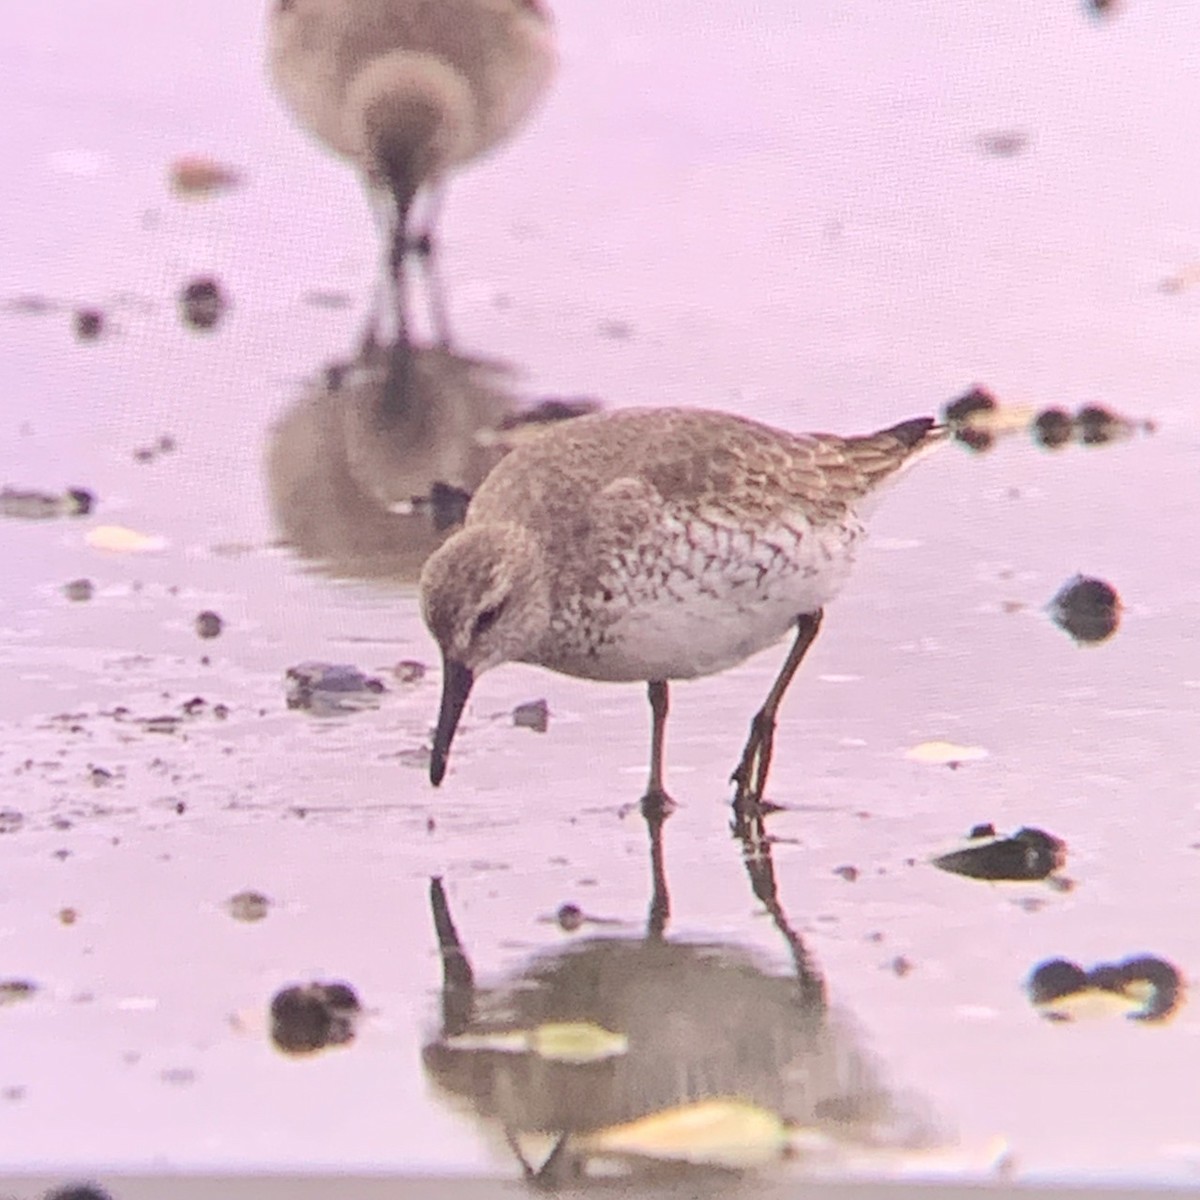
x=653 y=545
x=410 y=90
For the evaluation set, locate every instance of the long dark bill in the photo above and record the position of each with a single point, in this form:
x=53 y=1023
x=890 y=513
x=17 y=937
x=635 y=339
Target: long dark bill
x=457 y=682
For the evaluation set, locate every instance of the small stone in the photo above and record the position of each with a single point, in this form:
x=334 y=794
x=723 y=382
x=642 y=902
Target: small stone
x=79 y=590
x=100 y=776
x=11 y=820
x=68 y=916
x=14 y=990
x=534 y=714
x=331 y=688
x=202 y=303
x=308 y=1018
x=569 y=917
x=248 y=906
x=1053 y=428
x=89 y=324
x=1003 y=143
x=848 y=873
x=209 y=624
x=408 y=670
x=900 y=966
x=1087 y=609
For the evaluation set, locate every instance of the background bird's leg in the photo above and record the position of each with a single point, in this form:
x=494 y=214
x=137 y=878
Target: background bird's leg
x=395 y=384
x=426 y=246
x=751 y=774
x=656 y=802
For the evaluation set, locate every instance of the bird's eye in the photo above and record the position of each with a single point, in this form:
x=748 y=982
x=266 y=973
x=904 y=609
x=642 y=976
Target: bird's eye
x=486 y=620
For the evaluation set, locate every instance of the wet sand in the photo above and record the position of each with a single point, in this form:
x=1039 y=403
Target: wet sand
x=791 y=218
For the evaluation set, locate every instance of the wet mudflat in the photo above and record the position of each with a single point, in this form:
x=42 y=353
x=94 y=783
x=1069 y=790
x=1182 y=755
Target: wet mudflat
x=809 y=221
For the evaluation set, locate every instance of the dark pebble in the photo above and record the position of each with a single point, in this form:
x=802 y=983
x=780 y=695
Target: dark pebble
x=89 y=324
x=80 y=502
x=79 y=589
x=1088 y=609
x=535 y=715
x=311 y=1017
x=848 y=873
x=202 y=303
x=1030 y=854
x=209 y=624
x=977 y=400
x=1053 y=428
x=1097 y=426
x=248 y=906
x=569 y=917
x=408 y=670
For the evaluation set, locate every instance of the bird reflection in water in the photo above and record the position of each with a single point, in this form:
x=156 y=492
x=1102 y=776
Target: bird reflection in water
x=367 y=481
x=658 y=1058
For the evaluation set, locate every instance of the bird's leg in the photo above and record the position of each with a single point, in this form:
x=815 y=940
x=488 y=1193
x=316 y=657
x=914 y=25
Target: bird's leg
x=751 y=773
x=425 y=245
x=395 y=384
x=656 y=802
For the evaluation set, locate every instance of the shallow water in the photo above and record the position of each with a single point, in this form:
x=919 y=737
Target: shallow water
x=790 y=217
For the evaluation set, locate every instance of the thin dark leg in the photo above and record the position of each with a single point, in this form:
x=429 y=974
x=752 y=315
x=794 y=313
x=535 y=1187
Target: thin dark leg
x=426 y=246
x=751 y=774
x=660 y=899
x=656 y=799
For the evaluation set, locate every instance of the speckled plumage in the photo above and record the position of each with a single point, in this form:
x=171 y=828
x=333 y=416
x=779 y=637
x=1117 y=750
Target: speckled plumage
x=656 y=544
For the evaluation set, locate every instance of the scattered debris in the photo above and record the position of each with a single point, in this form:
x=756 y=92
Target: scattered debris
x=1097 y=426
x=1003 y=143
x=248 y=906
x=1088 y=609
x=202 y=303
x=533 y=714
x=89 y=323
x=971 y=417
x=326 y=688
x=1143 y=988
x=1029 y=854
x=408 y=670
x=312 y=1016
x=121 y=540
x=1053 y=428
x=197 y=177
x=14 y=990
x=569 y=917
x=79 y=590
x=945 y=754
x=164 y=445
x=40 y=506
x=209 y=624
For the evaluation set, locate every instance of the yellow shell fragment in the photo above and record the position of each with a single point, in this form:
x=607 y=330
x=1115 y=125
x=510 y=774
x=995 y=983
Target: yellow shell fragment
x=725 y=1133
x=944 y=753
x=574 y=1042
x=577 y=1042
x=122 y=540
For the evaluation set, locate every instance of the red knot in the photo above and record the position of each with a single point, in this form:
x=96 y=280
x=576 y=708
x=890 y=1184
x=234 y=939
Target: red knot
x=653 y=545
x=409 y=90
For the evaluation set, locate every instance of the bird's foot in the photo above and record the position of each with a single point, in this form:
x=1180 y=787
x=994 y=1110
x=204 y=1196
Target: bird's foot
x=656 y=805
